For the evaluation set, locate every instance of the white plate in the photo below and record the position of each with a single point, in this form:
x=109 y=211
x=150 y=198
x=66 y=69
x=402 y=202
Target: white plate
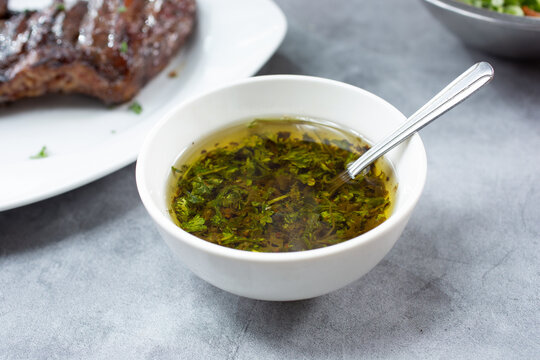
x=86 y=141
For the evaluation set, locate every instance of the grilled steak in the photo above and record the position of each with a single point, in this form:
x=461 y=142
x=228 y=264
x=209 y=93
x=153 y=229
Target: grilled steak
x=3 y=8
x=108 y=49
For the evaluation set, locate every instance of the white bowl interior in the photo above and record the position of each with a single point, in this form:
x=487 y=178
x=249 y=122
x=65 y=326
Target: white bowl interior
x=285 y=95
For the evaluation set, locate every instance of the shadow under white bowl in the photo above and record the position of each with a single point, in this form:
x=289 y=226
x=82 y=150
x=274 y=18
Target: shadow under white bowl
x=279 y=276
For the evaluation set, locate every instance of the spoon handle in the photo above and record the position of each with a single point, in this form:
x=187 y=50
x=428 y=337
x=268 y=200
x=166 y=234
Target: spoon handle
x=457 y=91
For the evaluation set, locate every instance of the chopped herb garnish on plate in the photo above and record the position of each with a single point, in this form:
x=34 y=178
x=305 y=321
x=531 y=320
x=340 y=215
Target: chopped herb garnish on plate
x=60 y=7
x=122 y=9
x=124 y=47
x=41 y=154
x=135 y=107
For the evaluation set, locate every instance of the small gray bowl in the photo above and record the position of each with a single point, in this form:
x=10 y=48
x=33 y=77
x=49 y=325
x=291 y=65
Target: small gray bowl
x=498 y=34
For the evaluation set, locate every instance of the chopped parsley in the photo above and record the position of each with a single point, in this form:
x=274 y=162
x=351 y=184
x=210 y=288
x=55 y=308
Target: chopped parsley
x=135 y=107
x=124 y=47
x=41 y=154
x=122 y=9
x=60 y=7
x=266 y=189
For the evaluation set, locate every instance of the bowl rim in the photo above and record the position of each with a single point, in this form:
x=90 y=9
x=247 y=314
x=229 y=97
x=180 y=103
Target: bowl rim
x=487 y=15
x=179 y=234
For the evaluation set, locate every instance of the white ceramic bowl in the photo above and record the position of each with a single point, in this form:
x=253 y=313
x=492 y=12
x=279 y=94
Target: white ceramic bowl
x=279 y=276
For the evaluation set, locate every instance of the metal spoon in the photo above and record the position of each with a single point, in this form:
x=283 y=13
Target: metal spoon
x=458 y=90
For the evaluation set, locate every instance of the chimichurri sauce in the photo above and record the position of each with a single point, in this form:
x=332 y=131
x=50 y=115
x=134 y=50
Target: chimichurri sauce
x=266 y=188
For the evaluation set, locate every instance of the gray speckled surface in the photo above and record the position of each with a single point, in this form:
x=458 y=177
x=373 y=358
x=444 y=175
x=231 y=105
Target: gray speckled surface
x=86 y=275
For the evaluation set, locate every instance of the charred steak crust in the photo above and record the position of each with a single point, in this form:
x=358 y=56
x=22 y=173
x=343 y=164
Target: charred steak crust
x=3 y=9
x=108 y=49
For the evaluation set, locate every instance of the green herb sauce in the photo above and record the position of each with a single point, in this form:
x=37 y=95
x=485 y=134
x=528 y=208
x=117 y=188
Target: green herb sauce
x=265 y=187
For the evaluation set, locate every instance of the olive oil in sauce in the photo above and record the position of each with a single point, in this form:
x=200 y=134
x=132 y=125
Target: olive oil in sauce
x=265 y=186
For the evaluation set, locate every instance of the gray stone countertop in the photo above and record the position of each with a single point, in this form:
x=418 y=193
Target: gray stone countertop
x=86 y=275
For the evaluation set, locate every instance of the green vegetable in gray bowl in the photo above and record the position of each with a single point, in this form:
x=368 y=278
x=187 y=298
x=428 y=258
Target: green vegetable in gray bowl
x=513 y=7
